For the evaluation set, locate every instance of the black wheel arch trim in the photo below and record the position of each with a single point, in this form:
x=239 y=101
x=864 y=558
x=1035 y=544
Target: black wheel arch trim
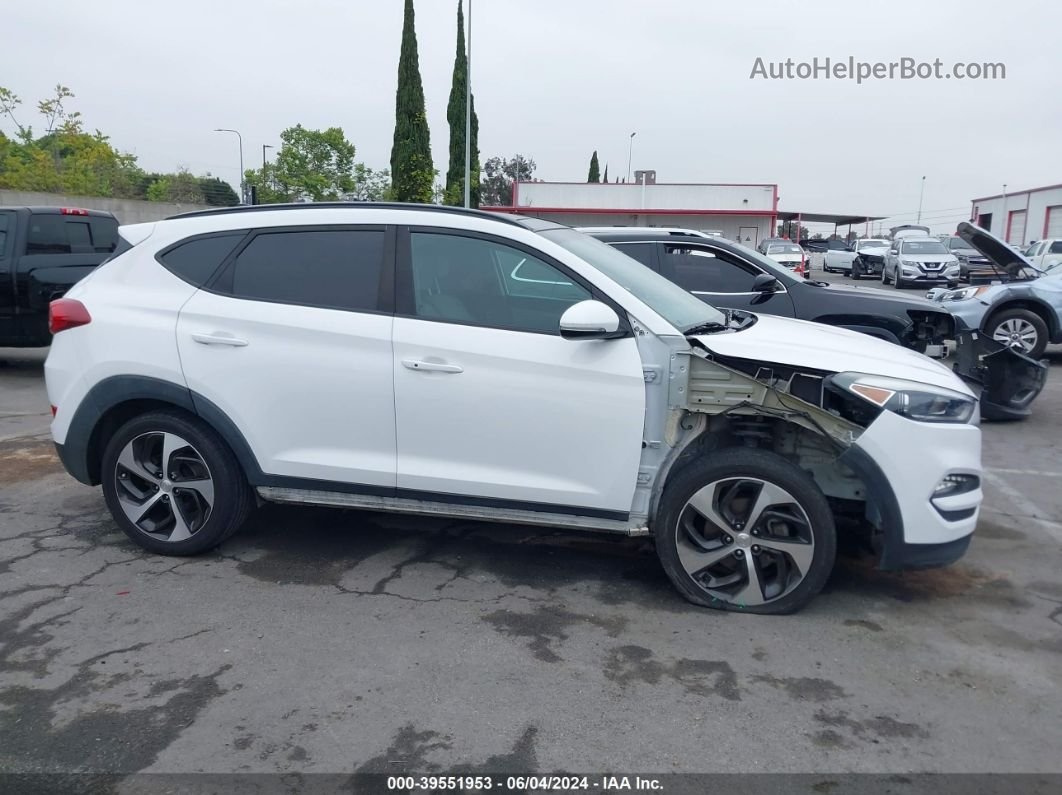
x=1030 y=304
x=76 y=451
x=882 y=507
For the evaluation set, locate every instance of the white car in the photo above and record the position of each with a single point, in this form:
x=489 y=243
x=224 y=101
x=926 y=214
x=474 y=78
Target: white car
x=441 y=361
x=840 y=260
x=789 y=255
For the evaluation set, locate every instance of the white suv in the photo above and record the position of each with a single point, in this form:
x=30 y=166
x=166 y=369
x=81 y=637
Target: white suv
x=441 y=361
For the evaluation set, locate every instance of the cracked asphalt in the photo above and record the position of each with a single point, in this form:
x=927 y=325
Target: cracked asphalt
x=339 y=641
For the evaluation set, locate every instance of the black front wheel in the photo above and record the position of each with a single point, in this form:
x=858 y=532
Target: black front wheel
x=745 y=530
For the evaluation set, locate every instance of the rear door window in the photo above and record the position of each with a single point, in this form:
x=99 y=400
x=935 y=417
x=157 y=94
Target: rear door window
x=643 y=252
x=47 y=235
x=327 y=268
x=65 y=234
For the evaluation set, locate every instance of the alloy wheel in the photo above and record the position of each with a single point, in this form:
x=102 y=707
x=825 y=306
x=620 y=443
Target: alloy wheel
x=164 y=486
x=1016 y=333
x=745 y=541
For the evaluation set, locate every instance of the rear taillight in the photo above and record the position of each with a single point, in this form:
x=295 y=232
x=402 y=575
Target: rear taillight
x=64 y=313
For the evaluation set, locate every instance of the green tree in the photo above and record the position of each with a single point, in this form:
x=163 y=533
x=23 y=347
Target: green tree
x=455 y=115
x=595 y=169
x=605 y=178
x=369 y=185
x=412 y=172
x=498 y=178
x=218 y=193
x=313 y=164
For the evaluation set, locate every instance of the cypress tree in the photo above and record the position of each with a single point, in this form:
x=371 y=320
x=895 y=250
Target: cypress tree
x=412 y=174
x=605 y=178
x=595 y=169
x=455 y=115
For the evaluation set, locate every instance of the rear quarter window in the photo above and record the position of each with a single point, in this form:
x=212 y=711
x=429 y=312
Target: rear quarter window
x=197 y=259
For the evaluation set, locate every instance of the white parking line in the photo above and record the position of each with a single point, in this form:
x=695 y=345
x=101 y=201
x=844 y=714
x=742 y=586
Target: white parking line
x=1036 y=472
x=1021 y=502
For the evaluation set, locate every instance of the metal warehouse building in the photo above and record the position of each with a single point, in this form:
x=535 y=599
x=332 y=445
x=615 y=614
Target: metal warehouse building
x=740 y=212
x=1021 y=217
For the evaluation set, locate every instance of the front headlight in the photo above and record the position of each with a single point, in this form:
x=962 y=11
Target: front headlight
x=911 y=399
x=909 y=263
x=964 y=293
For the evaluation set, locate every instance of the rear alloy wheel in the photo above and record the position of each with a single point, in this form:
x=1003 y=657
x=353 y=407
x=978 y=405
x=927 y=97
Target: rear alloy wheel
x=172 y=485
x=1020 y=329
x=747 y=532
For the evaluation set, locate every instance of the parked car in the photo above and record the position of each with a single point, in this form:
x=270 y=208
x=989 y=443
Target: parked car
x=435 y=360
x=912 y=260
x=974 y=266
x=728 y=274
x=768 y=241
x=870 y=253
x=43 y=252
x=1045 y=255
x=1024 y=313
x=789 y=256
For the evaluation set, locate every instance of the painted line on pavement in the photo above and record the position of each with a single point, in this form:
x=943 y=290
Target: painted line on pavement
x=1021 y=502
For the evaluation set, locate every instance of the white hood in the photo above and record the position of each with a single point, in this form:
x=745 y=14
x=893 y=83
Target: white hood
x=800 y=343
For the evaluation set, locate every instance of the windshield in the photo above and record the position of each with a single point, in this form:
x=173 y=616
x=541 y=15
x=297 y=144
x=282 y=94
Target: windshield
x=862 y=244
x=958 y=242
x=785 y=249
x=678 y=307
x=924 y=247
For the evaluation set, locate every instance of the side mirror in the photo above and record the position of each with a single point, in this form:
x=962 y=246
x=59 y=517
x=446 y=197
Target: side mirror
x=764 y=283
x=894 y=251
x=589 y=320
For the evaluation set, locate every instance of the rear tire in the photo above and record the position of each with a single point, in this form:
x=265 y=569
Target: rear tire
x=782 y=540
x=173 y=485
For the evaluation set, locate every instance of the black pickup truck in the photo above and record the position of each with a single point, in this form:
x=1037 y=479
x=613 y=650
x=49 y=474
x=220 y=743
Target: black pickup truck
x=43 y=252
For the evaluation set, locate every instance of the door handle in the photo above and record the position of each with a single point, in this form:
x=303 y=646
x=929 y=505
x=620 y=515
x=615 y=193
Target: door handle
x=219 y=338
x=434 y=367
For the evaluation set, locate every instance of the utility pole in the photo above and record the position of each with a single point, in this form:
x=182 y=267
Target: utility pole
x=921 y=194
x=468 y=113
x=630 y=153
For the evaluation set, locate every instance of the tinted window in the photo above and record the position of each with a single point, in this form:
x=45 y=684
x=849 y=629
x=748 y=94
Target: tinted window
x=337 y=269
x=643 y=252
x=196 y=260
x=4 y=222
x=60 y=234
x=482 y=282
x=702 y=271
x=47 y=235
x=1056 y=247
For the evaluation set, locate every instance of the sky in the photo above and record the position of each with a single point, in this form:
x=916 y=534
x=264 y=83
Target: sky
x=555 y=80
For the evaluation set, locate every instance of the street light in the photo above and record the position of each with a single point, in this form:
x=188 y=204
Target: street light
x=920 y=195
x=264 y=147
x=630 y=152
x=468 y=112
x=243 y=184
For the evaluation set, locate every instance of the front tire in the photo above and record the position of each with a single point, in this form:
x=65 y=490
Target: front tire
x=172 y=484
x=1020 y=329
x=856 y=271
x=745 y=530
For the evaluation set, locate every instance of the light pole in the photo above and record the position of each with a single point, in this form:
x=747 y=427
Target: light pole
x=630 y=152
x=243 y=183
x=1003 y=215
x=468 y=112
x=921 y=194
x=264 y=147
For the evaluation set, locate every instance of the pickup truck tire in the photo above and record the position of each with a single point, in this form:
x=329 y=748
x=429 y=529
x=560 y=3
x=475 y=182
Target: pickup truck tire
x=745 y=530
x=856 y=270
x=172 y=484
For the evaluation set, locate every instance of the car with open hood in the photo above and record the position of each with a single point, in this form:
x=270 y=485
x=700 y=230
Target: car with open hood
x=1022 y=312
x=728 y=274
x=440 y=361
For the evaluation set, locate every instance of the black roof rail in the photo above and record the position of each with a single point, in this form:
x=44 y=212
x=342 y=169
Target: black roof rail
x=437 y=208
